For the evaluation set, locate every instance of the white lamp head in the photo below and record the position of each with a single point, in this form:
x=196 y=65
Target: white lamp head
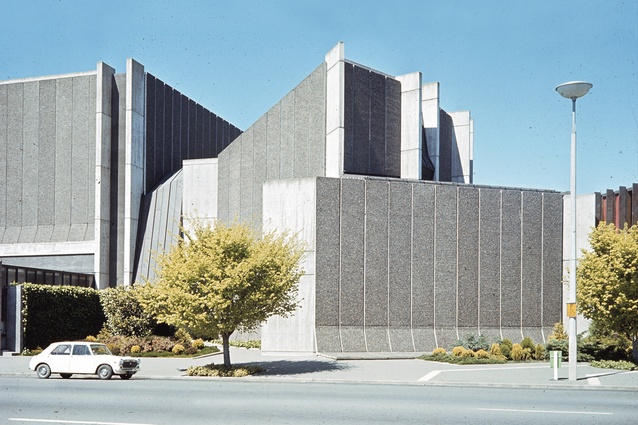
x=574 y=89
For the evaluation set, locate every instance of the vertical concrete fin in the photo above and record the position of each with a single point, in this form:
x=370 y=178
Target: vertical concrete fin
x=430 y=106
x=134 y=161
x=411 y=126
x=335 y=100
x=103 y=108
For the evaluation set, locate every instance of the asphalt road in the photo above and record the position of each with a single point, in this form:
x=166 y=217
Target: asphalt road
x=26 y=400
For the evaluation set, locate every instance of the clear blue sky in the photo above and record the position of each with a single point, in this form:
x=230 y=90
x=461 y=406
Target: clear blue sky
x=499 y=59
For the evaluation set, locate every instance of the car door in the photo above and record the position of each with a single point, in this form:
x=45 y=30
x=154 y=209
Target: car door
x=82 y=360
x=59 y=358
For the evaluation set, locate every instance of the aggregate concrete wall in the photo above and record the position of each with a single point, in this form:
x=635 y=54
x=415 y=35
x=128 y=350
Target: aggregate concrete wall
x=47 y=153
x=409 y=266
x=289 y=141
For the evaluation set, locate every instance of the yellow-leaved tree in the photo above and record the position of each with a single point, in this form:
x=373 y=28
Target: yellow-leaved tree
x=607 y=286
x=223 y=278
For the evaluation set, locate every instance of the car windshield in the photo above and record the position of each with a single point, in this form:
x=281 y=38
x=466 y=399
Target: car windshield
x=100 y=350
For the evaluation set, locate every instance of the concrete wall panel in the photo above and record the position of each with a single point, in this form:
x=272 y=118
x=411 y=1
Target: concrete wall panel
x=423 y=256
x=490 y=260
x=287 y=142
x=552 y=249
x=445 y=261
x=4 y=118
x=511 y=260
x=376 y=255
x=273 y=141
x=532 y=260
x=30 y=145
x=352 y=253
x=468 y=258
x=400 y=253
x=246 y=175
x=328 y=263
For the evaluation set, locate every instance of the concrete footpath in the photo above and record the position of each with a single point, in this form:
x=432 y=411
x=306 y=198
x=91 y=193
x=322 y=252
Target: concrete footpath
x=390 y=368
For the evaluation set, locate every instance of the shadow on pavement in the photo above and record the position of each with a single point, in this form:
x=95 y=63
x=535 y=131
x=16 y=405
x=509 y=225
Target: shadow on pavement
x=297 y=367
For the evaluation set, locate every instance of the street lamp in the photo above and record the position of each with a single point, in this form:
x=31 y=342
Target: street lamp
x=573 y=90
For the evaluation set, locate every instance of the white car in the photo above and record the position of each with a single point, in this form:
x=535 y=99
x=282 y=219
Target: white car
x=75 y=357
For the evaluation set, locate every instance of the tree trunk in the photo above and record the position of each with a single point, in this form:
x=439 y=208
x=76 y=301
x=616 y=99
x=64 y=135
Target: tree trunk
x=226 y=348
x=634 y=354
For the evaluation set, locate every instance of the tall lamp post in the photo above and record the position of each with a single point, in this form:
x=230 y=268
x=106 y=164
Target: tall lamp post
x=573 y=90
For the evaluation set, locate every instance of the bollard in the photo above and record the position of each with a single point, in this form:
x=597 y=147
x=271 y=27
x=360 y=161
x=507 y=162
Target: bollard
x=555 y=359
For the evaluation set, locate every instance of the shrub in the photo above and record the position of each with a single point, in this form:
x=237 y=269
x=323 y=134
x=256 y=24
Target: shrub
x=506 y=351
x=190 y=350
x=90 y=338
x=222 y=371
x=539 y=352
x=58 y=313
x=507 y=342
x=113 y=348
x=136 y=349
x=178 y=349
x=558 y=333
x=495 y=350
x=482 y=354
x=561 y=345
x=439 y=351
x=474 y=343
x=124 y=313
x=198 y=344
x=467 y=353
x=458 y=351
x=614 y=364
x=519 y=353
x=528 y=343
x=183 y=338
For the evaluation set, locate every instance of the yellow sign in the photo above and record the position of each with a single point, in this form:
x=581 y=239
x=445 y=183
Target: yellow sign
x=571 y=309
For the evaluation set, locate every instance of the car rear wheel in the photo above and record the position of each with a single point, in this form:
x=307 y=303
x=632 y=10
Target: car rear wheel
x=104 y=372
x=43 y=371
x=66 y=375
x=126 y=376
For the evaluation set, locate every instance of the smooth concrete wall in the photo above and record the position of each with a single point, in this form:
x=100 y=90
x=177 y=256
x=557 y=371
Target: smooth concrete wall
x=178 y=128
x=289 y=141
x=200 y=191
x=409 y=266
x=585 y=223
x=463 y=147
x=372 y=118
x=290 y=206
x=47 y=153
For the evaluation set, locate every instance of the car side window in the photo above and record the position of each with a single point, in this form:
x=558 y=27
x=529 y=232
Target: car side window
x=80 y=350
x=63 y=349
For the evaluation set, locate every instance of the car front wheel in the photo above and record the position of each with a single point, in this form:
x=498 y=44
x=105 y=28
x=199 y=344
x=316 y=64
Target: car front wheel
x=43 y=371
x=104 y=372
x=66 y=375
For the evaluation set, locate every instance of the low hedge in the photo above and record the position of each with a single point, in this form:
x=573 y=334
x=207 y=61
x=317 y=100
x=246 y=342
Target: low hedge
x=56 y=313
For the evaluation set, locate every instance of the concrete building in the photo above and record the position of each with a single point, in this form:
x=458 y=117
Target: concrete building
x=405 y=253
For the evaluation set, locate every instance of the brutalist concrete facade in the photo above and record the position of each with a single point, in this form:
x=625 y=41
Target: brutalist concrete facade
x=402 y=266
x=404 y=253
x=82 y=153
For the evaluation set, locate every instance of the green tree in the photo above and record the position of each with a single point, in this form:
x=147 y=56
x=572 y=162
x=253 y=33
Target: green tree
x=608 y=281
x=224 y=278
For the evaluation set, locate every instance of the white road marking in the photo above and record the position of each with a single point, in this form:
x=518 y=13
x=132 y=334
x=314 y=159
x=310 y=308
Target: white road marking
x=429 y=376
x=593 y=382
x=59 y=421
x=560 y=412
